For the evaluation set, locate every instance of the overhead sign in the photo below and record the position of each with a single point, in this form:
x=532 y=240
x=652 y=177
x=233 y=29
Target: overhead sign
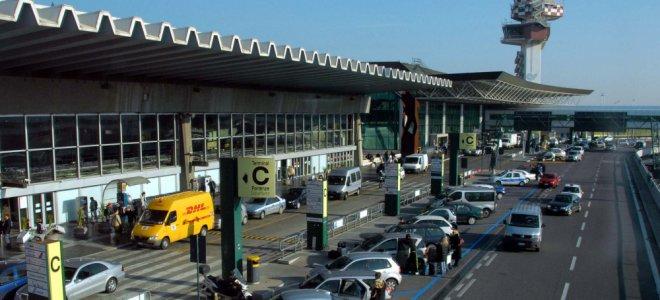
x=45 y=270
x=317 y=197
x=468 y=141
x=256 y=177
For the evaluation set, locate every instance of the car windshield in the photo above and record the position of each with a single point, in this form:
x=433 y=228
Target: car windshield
x=312 y=283
x=563 y=199
x=153 y=216
x=521 y=220
x=370 y=243
x=573 y=152
x=293 y=194
x=501 y=174
x=68 y=273
x=571 y=189
x=258 y=201
x=411 y=160
x=336 y=180
x=339 y=263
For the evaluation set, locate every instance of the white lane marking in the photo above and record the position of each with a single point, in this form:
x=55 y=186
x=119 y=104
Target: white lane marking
x=478 y=266
x=469 y=275
x=491 y=260
x=589 y=204
x=467 y=286
x=579 y=242
x=583 y=224
x=564 y=293
x=459 y=286
x=586 y=214
x=447 y=298
x=591 y=196
x=485 y=258
x=645 y=236
x=572 y=267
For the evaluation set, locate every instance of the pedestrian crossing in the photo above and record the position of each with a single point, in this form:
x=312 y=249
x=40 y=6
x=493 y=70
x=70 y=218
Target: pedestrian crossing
x=249 y=236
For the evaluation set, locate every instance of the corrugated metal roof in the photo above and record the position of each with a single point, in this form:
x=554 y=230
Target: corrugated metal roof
x=59 y=41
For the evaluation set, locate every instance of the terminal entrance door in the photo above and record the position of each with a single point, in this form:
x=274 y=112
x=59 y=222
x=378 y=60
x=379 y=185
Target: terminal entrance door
x=42 y=209
x=17 y=209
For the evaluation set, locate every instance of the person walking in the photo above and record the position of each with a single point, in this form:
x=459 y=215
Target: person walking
x=402 y=253
x=378 y=288
x=137 y=207
x=443 y=252
x=290 y=172
x=115 y=223
x=456 y=243
x=381 y=175
x=6 y=231
x=411 y=262
x=212 y=187
x=93 y=209
x=431 y=254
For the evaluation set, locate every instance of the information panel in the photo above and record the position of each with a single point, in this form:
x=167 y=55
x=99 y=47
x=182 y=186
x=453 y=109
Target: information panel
x=532 y=120
x=600 y=121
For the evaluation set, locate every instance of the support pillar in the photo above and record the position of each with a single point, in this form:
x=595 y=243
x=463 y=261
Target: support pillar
x=185 y=155
x=444 y=117
x=426 y=124
x=410 y=136
x=462 y=119
x=357 y=133
x=481 y=117
x=454 y=139
x=231 y=244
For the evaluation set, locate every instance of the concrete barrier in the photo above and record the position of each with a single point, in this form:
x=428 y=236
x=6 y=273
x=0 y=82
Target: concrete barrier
x=654 y=189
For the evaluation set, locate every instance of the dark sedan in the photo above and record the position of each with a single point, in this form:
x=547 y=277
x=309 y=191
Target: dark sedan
x=296 y=197
x=465 y=213
x=431 y=233
x=563 y=203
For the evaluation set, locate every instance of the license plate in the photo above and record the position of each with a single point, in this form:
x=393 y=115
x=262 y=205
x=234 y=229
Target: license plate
x=521 y=244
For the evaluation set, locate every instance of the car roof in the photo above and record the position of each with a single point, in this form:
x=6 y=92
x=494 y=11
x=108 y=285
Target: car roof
x=430 y=217
x=78 y=262
x=526 y=208
x=348 y=273
x=304 y=294
x=366 y=254
x=389 y=235
x=167 y=201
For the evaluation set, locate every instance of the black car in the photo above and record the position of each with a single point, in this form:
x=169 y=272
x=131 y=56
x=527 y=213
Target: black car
x=564 y=204
x=465 y=213
x=295 y=197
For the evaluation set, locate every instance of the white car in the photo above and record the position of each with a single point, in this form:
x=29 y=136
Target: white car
x=528 y=175
x=559 y=153
x=511 y=178
x=430 y=219
x=577 y=148
x=446 y=213
x=574 y=189
x=363 y=261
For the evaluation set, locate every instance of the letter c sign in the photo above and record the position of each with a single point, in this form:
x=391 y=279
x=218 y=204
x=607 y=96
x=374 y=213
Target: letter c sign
x=255 y=178
x=55 y=264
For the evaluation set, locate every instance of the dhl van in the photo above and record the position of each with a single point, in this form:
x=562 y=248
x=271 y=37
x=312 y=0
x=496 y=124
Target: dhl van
x=174 y=217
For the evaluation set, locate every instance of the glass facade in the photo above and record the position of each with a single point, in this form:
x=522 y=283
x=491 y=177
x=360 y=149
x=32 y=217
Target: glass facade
x=380 y=127
x=45 y=148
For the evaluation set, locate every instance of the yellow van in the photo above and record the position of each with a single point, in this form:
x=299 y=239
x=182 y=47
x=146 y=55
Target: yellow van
x=174 y=217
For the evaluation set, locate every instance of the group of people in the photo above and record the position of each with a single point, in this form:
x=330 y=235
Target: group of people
x=123 y=216
x=437 y=255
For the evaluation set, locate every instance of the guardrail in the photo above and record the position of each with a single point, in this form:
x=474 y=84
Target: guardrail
x=648 y=179
x=297 y=241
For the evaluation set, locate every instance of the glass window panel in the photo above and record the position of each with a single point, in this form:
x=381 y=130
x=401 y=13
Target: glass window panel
x=39 y=132
x=131 y=157
x=280 y=124
x=88 y=130
x=308 y=122
x=130 y=128
x=323 y=136
x=308 y=141
x=350 y=137
x=299 y=141
x=66 y=163
x=237 y=124
x=315 y=122
x=149 y=128
x=109 y=129
x=350 y=121
x=270 y=140
x=13 y=165
x=110 y=155
x=12 y=133
x=248 y=121
x=343 y=137
x=89 y=161
x=261 y=144
x=324 y=122
x=225 y=147
x=299 y=123
x=315 y=139
x=211 y=149
x=260 y=121
x=197 y=126
x=281 y=143
x=150 y=155
x=270 y=124
x=167 y=157
x=237 y=145
x=225 y=124
x=166 y=127
x=249 y=145
x=343 y=121
x=212 y=126
x=336 y=141
x=198 y=149
x=290 y=145
x=41 y=166
x=65 y=131
x=290 y=122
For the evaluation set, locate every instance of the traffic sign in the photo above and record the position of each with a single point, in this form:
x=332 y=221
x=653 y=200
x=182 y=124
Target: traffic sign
x=468 y=141
x=392 y=178
x=44 y=270
x=317 y=197
x=256 y=177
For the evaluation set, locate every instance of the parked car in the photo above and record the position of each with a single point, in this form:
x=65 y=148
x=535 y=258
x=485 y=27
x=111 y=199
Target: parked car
x=344 y=182
x=499 y=189
x=527 y=174
x=577 y=148
x=296 y=197
x=564 y=203
x=416 y=163
x=13 y=275
x=342 y=284
x=549 y=180
x=363 y=261
x=445 y=225
x=510 y=178
x=446 y=213
x=559 y=153
x=573 y=189
x=465 y=213
x=484 y=198
x=386 y=242
x=431 y=233
x=260 y=207
x=84 y=277
x=304 y=294
x=475 y=152
x=610 y=147
x=524 y=227
x=573 y=155
x=218 y=218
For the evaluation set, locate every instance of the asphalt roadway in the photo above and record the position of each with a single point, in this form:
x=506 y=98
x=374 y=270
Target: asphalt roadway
x=598 y=253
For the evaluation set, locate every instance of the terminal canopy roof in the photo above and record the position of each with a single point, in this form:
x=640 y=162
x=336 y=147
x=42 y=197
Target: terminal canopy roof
x=60 y=42
x=502 y=88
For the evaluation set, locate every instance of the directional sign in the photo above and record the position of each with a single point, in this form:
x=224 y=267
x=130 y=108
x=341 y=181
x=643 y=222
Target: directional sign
x=256 y=177
x=468 y=141
x=317 y=197
x=392 y=178
x=44 y=270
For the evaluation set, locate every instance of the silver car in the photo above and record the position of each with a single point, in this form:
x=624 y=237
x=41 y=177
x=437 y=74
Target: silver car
x=364 y=261
x=305 y=294
x=260 y=207
x=218 y=218
x=85 y=277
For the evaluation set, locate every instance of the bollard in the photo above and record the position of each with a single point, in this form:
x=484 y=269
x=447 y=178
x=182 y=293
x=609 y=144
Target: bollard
x=253 y=269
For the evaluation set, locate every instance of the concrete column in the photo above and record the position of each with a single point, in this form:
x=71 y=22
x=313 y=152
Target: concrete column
x=426 y=124
x=460 y=124
x=185 y=155
x=444 y=117
x=401 y=123
x=481 y=117
x=357 y=133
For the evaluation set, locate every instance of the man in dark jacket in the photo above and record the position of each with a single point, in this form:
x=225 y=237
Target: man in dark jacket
x=411 y=262
x=93 y=209
x=431 y=259
x=456 y=243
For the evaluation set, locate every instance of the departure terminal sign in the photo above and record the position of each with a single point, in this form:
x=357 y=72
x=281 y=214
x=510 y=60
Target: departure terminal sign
x=45 y=271
x=256 y=177
x=468 y=141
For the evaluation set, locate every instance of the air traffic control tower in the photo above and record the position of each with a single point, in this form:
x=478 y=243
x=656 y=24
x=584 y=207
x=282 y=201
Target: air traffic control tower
x=530 y=34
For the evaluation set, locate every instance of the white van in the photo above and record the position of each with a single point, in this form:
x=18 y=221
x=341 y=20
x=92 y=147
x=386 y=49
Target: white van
x=480 y=197
x=524 y=227
x=416 y=163
x=344 y=182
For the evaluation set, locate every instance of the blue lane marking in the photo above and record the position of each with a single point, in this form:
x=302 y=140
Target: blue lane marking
x=465 y=252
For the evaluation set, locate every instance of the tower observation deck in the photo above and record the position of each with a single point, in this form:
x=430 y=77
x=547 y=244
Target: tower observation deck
x=531 y=34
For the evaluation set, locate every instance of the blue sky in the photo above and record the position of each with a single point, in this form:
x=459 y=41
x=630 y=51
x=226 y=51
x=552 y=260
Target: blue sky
x=612 y=47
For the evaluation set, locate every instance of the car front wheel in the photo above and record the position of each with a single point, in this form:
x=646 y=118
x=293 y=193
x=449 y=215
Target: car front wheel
x=262 y=215
x=522 y=183
x=486 y=212
x=111 y=285
x=165 y=243
x=245 y=220
x=297 y=205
